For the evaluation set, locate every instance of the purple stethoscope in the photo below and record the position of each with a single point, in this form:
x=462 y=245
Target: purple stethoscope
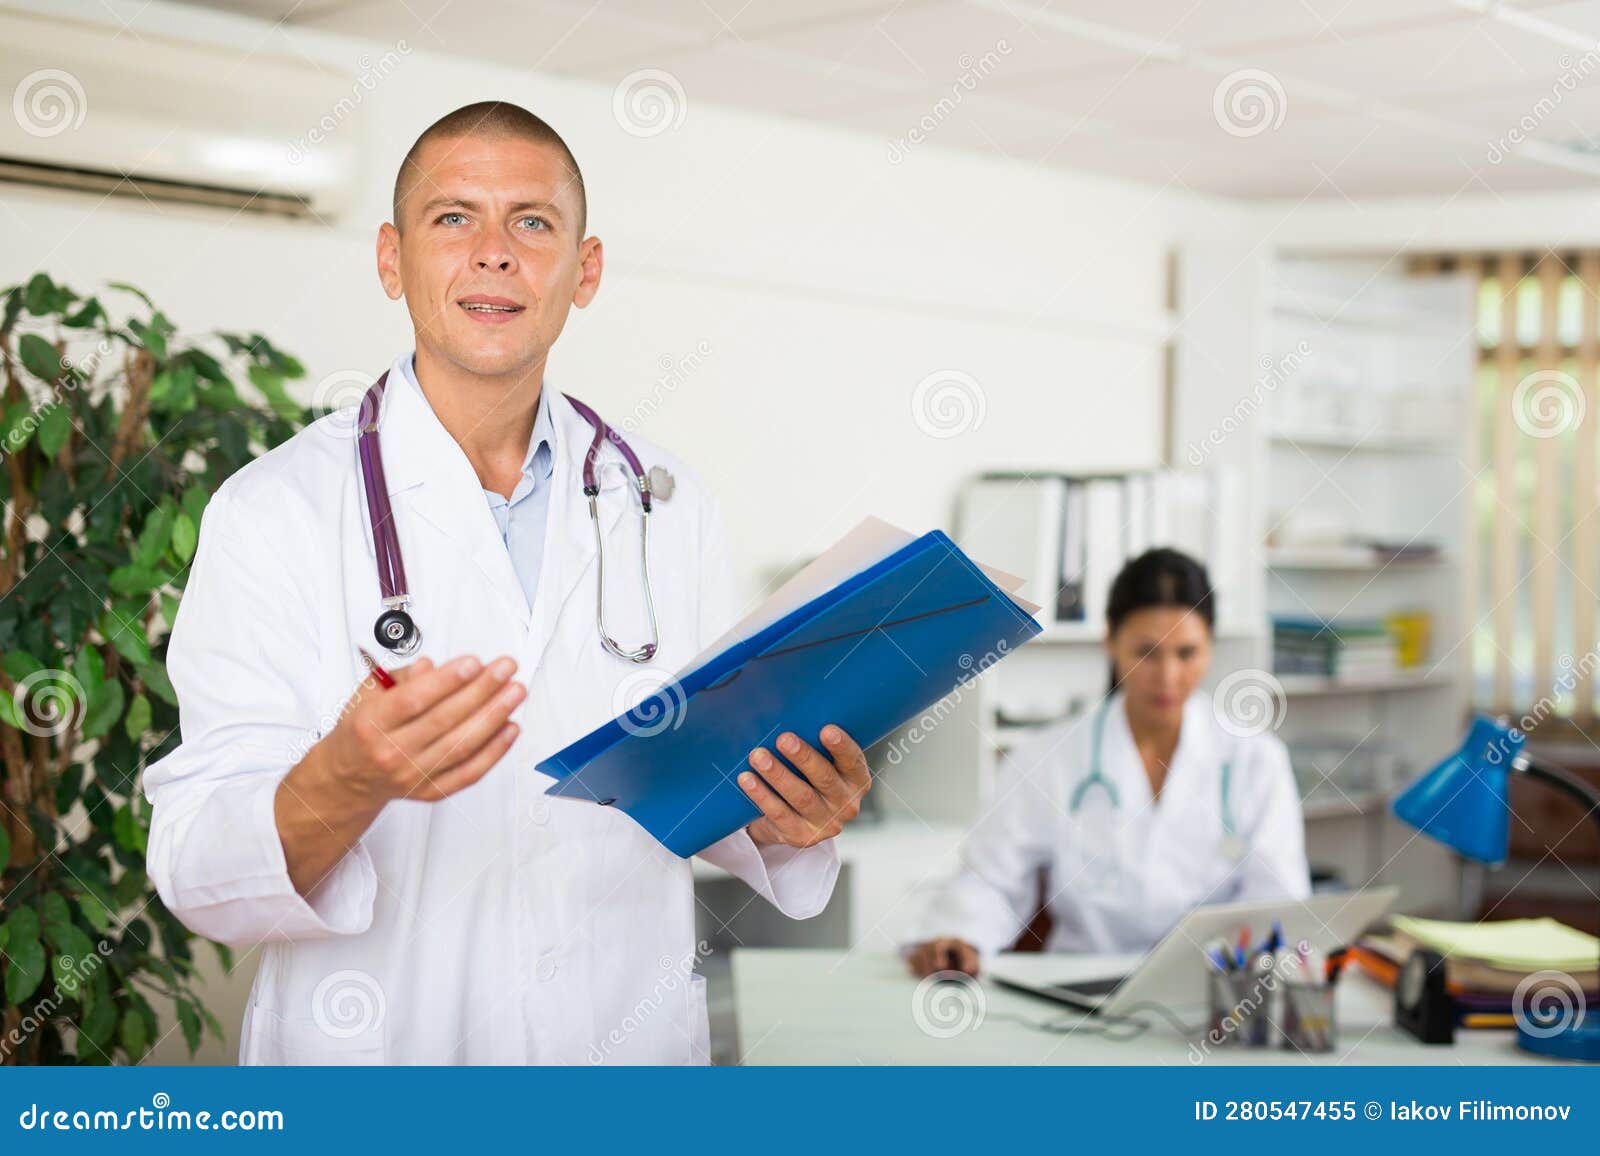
x=397 y=630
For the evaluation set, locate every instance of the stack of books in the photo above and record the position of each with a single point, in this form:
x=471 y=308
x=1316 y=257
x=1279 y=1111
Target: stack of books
x=1487 y=962
x=1345 y=650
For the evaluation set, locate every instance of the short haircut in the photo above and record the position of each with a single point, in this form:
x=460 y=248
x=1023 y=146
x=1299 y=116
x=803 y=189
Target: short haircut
x=496 y=120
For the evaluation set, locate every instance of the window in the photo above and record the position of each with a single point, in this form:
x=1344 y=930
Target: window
x=1536 y=571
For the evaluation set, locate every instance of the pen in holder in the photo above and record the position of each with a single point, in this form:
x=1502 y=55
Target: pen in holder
x=1240 y=1015
x=1307 y=1017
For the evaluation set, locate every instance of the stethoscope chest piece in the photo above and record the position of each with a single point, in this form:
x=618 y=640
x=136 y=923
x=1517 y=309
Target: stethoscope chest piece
x=662 y=482
x=398 y=631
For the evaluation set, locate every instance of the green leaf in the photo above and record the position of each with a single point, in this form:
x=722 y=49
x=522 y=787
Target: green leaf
x=19 y=664
x=214 y=1024
x=8 y=711
x=5 y=857
x=270 y=383
x=224 y=955
x=39 y=295
x=100 y=1021
x=184 y=537
x=95 y=912
x=133 y=1034
x=105 y=708
x=54 y=430
x=194 y=501
x=154 y=677
x=90 y=312
x=17 y=427
x=5 y=936
x=126 y=632
x=190 y=1022
x=169 y=610
x=64 y=970
x=135 y=580
x=89 y=667
x=129 y=888
x=54 y=916
x=134 y=289
x=129 y=832
x=138 y=721
x=155 y=534
x=39 y=357
x=25 y=969
x=24 y=924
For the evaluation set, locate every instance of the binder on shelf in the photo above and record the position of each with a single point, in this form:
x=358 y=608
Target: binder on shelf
x=1074 y=533
x=880 y=627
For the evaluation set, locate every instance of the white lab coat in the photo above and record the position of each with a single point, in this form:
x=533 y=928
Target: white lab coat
x=1120 y=877
x=498 y=926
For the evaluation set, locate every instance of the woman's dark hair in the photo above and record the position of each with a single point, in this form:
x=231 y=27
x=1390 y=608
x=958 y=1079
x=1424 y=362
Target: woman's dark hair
x=1159 y=577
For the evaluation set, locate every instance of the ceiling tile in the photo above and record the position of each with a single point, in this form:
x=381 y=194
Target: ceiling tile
x=551 y=35
x=935 y=47
x=1436 y=59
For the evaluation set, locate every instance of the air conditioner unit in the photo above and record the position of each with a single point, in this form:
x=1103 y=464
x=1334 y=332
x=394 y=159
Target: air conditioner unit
x=105 y=112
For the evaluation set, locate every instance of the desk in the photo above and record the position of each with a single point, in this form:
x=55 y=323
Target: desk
x=798 y=1006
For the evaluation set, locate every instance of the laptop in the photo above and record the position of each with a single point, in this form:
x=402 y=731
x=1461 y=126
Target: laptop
x=1172 y=974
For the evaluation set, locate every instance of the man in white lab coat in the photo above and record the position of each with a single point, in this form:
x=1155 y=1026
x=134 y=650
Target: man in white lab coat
x=419 y=898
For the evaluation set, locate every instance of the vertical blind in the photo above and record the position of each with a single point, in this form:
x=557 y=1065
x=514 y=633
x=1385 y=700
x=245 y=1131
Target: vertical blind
x=1534 y=558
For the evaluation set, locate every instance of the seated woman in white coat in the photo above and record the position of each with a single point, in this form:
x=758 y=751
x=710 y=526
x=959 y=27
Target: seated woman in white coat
x=1143 y=808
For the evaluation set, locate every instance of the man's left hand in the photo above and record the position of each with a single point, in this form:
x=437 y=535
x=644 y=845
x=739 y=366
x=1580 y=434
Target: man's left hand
x=802 y=812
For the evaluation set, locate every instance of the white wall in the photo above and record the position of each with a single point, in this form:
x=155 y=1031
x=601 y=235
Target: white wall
x=824 y=281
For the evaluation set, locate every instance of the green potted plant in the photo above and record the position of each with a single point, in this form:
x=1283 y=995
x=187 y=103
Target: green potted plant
x=114 y=434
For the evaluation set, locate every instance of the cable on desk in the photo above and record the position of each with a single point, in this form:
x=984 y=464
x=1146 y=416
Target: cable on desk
x=1117 y=1029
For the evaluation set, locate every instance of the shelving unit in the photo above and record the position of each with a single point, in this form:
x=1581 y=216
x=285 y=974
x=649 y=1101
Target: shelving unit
x=1364 y=440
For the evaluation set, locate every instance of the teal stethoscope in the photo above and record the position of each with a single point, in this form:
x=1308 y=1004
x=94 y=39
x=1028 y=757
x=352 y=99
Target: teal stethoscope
x=1232 y=846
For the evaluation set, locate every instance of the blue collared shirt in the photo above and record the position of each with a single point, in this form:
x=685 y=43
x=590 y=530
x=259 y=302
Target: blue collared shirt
x=522 y=519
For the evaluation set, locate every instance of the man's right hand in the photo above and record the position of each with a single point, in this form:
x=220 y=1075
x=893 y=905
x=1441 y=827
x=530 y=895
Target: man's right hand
x=437 y=731
x=944 y=954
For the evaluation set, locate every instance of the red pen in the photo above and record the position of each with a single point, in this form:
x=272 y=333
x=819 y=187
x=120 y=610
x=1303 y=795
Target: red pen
x=382 y=675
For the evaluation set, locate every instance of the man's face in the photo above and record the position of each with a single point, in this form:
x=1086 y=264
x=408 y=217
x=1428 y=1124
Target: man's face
x=489 y=261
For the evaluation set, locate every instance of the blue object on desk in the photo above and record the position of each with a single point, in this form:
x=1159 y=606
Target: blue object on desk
x=1464 y=803
x=867 y=655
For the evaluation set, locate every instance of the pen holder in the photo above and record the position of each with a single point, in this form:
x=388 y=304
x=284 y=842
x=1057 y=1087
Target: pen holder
x=1307 y=1017
x=1240 y=1012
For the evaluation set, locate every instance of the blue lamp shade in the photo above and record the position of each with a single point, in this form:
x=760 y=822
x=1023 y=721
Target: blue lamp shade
x=1462 y=802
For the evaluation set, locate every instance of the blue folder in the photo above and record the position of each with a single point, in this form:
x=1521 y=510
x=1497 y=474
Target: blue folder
x=868 y=654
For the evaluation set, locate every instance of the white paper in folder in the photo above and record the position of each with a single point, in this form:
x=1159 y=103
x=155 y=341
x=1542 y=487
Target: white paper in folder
x=870 y=542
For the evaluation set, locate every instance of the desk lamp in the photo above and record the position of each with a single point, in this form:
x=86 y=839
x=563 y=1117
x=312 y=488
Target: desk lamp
x=1463 y=803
